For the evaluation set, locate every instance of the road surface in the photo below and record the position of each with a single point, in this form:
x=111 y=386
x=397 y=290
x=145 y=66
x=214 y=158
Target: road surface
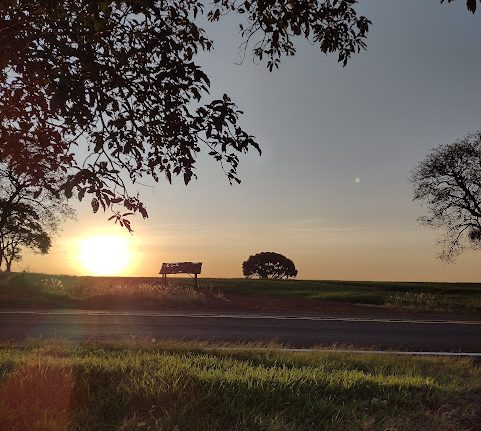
x=298 y=332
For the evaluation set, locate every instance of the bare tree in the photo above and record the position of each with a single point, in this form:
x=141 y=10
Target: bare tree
x=448 y=181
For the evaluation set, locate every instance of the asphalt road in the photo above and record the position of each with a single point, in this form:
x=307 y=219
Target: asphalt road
x=295 y=332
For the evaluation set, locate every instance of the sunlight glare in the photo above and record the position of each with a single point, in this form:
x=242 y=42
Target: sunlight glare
x=104 y=255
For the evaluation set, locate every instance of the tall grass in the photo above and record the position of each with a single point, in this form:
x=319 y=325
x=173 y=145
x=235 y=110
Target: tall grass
x=67 y=291
x=173 y=386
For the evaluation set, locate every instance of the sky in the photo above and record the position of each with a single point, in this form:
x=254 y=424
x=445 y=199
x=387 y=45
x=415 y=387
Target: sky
x=331 y=189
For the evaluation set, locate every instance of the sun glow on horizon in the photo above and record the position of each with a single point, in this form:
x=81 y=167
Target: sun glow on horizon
x=104 y=254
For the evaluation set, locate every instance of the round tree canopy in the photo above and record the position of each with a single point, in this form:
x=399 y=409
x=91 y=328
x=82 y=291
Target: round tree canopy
x=269 y=265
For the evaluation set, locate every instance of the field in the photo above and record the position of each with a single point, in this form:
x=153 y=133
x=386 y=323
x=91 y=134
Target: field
x=173 y=386
x=431 y=296
x=41 y=290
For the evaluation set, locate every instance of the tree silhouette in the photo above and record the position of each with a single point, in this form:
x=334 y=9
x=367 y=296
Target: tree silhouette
x=27 y=232
x=269 y=265
x=107 y=93
x=29 y=214
x=110 y=93
x=448 y=180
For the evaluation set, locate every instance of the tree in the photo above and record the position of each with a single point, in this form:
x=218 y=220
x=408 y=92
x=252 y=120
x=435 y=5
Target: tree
x=27 y=233
x=269 y=265
x=29 y=215
x=107 y=92
x=448 y=181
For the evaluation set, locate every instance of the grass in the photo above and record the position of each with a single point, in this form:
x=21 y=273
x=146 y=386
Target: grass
x=25 y=289
x=177 y=386
x=439 y=296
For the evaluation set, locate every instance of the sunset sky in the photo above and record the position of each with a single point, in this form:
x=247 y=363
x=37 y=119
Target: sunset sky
x=320 y=127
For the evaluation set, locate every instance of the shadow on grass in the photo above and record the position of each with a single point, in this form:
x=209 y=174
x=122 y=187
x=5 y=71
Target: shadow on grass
x=107 y=387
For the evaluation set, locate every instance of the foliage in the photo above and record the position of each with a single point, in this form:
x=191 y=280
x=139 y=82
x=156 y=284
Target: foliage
x=105 y=93
x=22 y=229
x=186 y=386
x=448 y=180
x=29 y=214
x=269 y=265
x=470 y=4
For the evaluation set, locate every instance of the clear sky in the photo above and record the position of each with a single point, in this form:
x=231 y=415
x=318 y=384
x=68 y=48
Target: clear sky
x=320 y=127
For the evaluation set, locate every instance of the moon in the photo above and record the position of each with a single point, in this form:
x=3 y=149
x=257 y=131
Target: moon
x=357 y=180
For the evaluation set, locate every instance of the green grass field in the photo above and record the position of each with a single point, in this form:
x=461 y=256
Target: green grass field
x=173 y=386
x=26 y=289
x=433 y=296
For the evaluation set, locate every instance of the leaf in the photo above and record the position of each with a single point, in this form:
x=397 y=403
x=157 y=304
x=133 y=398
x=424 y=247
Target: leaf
x=471 y=5
x=68 y=191
x=104 y=6
x=126 y=224
x=98 y=146
x=95 y=204
x=143 y=211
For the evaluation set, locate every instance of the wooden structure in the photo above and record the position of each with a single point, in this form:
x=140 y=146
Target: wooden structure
x=181 y=268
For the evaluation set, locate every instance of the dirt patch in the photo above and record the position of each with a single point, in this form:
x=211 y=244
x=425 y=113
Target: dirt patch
x=232 y=303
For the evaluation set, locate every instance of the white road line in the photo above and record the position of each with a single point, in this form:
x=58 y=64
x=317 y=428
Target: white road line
x=375 y=352
x=235 y=316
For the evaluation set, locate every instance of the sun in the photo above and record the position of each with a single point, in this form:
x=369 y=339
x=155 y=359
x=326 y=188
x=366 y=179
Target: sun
x=104 y=255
